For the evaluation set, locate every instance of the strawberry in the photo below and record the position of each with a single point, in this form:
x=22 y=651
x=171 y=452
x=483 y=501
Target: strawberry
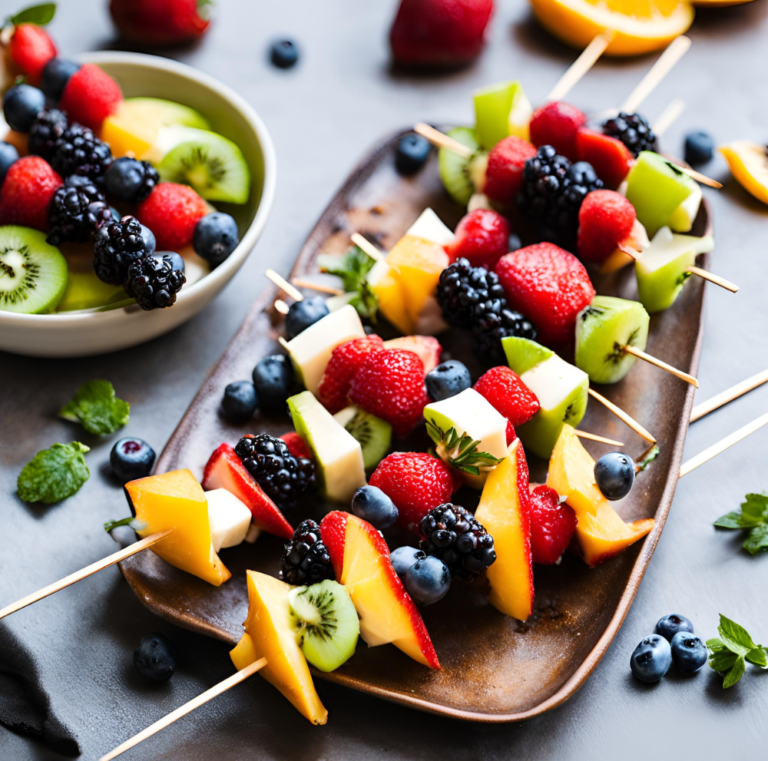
x=297 y=446
x=30 y=49
x=171 y=211
x=556 y=124
x=390 y=385
x=504 y=175
x=341 y=368
x=511 y=434
x=160 y=22
x=482 y=237
x=90 y=96
x=548 y=285
x=606 y=219
x=610 y=158
x=416 y=482
x=439 y=33
x=27 y=191
x=427 y=348
x=552 y=525
x=502 y=387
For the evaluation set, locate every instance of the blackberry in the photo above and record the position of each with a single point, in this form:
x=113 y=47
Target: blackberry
x=461 y=288
x=453 y=535
x=115 y=247
x=633 y=130
x=130 y=180
x=153 y=282
x=305 y=559
x=76 y=212
x=47 y=128
x=79 y=151
x=493 y=321
x=281 y=475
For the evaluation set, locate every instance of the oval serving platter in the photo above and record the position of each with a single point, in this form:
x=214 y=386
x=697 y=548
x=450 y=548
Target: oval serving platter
x=494 y=669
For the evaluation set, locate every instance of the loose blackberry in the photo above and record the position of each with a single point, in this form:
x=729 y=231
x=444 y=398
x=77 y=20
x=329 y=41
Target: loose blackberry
x=76 y=212
x=47 y=128
x=115 y=247
x=453 y=535
x=461 y=288
x=633 y=130
x=305 y=559
x=494 y=320
x=130 y=180
x=281 y=475
x=79 y=151
x=153 y=282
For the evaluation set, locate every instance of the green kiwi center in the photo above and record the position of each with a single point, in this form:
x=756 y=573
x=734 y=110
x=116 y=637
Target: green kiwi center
x=17 y=275
x=200 y=169
x=316 y=610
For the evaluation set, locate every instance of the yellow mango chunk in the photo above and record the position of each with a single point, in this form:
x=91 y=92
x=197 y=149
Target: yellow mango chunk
x=386 y=283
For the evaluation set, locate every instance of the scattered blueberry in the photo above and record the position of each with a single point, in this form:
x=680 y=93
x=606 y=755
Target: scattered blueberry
x=689 y=653
x=80 y=181
x=216 y=237
x=21 y=105
x=614 y=474
x=131 y=459
x=56 y=74
x=371 y=504
x=428 y=580
x=412 y=153
x=404 y=557
x=302 y=314
x=130 y=180
x=514 y=242
x=672 y=624
x=274 y=382
x=651 y=659
x=283 y=53
x=239 y=401
x=176 y=260
x=155 y=658
x=8 y=156
x=699 y=147
x=149 y=239
x=448 y=379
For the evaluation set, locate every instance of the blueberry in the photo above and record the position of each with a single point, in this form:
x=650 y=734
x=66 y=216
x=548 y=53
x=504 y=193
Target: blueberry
x=582 y=173
x=699 y=147
x=651 y=659
x=412 y=153
x=21 y=105
x=131 y=459
x=428 y=580
x=689 y=653
x=239 y=401
x=129 y=179
x=8 y=156
x=216 y=237
x=372 y=505
x=614 y=474
x=80 y=181
x=56 y=74
x=149 y=239
x=302 y=314
x=404 y=557
x=274 y=382
x=155 y=658
x=448 y=379
x=672 y=624
x=283 y=53
x=176 y=260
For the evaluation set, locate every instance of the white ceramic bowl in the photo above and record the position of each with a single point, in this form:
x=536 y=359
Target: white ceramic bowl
x=86 y=333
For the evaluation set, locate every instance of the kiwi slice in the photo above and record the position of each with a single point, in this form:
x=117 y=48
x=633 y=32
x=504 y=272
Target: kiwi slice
x=326 y=623
x=455 y=169
x=373 y=434
x=33 y=274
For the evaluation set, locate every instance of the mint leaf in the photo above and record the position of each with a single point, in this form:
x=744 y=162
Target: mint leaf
x=735 y=673
x=754 y=510
x=729 y=520
x=54 y=474
x=97 y=408
x=734 y=636
x=35 y=14
x=715 y=645
x=722 y=661
x=757 y=540
x=353 y=268
x=758 y=657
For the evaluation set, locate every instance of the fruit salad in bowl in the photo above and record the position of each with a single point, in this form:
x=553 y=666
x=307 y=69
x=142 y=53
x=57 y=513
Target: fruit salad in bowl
x=132 y=189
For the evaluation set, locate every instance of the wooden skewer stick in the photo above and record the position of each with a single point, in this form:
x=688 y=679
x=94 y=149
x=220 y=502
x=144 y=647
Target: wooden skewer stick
x=200 y=700
x=281 y=306
x=84 y=573
x=640 y=354
x=623 y=416
x=721 y=446
x=716 y=279
x=668 y=116
x=601 y=439
x=665 y=63
x=698 y=176
x=283 y=343
x=367 y=247
x=443 y=141
x=724 y=397
x=301 y=282
x=581 y=65
x=284 y=285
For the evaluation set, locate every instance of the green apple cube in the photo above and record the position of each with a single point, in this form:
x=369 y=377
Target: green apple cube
x=500 y=111
x=561 y=388
x=656 y=188
x=662 y=269
x=454 y=169
x=684 y=215
x=339 y=468
x=430 y=227
x=311 y=350
x=603 y=329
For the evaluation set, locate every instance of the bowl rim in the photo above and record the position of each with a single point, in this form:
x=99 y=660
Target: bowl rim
x=217 y=278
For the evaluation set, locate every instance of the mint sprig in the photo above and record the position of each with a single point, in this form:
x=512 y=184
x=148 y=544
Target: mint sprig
x=753 y=518
x=460 y=452
x=732 y=650
x=54 y=474
x=353 y=268
x=40 y=15
x=97 y=409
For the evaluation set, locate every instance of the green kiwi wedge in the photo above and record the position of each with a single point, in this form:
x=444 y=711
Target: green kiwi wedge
x=373 y=434
x=455 y=169
x=33 y=274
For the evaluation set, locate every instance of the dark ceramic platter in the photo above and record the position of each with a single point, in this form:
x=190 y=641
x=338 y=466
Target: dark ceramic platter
x=494 y=669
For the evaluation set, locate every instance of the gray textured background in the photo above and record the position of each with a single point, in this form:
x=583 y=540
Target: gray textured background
x=323 y=116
